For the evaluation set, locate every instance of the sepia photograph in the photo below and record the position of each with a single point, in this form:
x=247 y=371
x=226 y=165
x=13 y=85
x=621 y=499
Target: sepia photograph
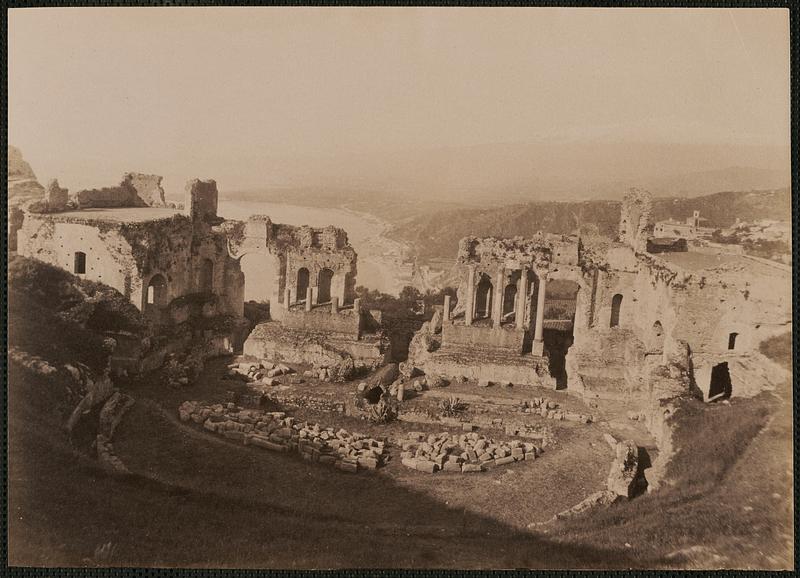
x=354 y=288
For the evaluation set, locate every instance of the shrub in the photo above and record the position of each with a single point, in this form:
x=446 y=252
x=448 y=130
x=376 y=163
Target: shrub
x=452 y=406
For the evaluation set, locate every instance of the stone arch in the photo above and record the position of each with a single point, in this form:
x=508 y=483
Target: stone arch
x=303 y=277
x=616 y=305
x=79 y=263
x=156 y=293
x=324 y=281
x=483 y=297
x=206 y=281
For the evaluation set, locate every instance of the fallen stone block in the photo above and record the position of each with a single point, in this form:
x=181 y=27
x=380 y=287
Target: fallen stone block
x=452 y=467
x=427 y=466
x=409 y=462
x=234 y=435
x=503 y=461
x=347 y=466
x=468 y=468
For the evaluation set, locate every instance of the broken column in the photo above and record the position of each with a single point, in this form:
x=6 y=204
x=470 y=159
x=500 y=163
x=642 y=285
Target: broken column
x=522 y=291
x=309 y=295
x=334 y=305
x=497 y=299
x=469 y=307
x=538 y=338
x=446 y=308
x=287 y=298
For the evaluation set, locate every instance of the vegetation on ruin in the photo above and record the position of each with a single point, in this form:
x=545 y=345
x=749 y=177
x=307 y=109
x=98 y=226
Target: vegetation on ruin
x=61 y=317
x=192 y=501
x=407 y=303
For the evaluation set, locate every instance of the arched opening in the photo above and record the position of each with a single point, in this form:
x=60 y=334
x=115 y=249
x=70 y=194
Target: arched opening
x=324 y=281
x=510 y=302
x=732 y=341
x=560 y=302
x=206 y=284
x=261 y=286
x=720 y=386
x=156 y=295
x=79 y=263
x=657 y=337
x=616 y=304
x=483 y=298
x=302 y=284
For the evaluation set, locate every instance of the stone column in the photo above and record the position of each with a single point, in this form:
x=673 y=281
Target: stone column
x=522 y=290
x=538 y=338
x=314 y=294
x=334 y=304
x=446 y=308
x=287 y=295
x=469 y=307
x=498 y=292
x=309 y=294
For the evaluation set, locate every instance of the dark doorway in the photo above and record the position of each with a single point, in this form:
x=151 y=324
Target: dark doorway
x=302 y=284
x=509 y=302
x=79 y=266
x=616 y=304
x=483 y=298
x=720 y=387
x=324 y=286
x=732 y=340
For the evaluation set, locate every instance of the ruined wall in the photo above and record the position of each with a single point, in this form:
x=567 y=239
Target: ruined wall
x=202 y=199
x=108 y=253
x=345 y=322
x=636 y=219
x=483 y=337
x=134 y=190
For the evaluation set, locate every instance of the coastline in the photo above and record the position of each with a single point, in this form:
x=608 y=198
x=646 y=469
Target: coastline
x=381 y=263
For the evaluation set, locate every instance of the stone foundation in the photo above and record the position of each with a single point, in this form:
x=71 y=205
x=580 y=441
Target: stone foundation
x=273 y=341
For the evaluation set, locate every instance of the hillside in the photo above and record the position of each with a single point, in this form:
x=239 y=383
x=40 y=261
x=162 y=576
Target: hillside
x=195 y=500
x=436 y=235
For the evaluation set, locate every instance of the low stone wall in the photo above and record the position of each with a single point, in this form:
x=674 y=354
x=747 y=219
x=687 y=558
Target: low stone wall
x=274 y=431
x=273 y=341
x=464 y=453
x=322 y=319
x=489 y=367
x=484 y=337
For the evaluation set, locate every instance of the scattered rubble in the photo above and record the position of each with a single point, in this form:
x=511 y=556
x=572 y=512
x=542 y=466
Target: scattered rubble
x=465 y=453
x=350 y=452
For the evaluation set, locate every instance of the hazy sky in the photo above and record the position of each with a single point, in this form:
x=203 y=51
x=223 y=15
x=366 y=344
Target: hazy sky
x=215 y=92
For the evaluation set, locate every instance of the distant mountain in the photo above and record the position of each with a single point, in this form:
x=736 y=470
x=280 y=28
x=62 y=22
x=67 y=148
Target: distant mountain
x=436 y=235
x=22 y=183
x=520 y=172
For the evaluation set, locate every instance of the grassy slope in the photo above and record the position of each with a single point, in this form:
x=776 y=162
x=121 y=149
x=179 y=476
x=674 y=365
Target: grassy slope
x=216 y=503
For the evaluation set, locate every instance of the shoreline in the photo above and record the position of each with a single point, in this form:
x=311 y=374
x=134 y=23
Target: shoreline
x=381 y=263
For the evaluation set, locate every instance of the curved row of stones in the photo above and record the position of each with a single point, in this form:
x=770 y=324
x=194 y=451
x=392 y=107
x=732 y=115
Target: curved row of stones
x=468 y=452
x=549 y=409
x=275 y=431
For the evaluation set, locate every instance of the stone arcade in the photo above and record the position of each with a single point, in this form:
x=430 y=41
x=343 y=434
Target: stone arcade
x=644 y=326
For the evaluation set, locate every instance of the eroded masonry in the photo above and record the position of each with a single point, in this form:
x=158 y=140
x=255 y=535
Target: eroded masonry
x=623 y=323
x=599 y=319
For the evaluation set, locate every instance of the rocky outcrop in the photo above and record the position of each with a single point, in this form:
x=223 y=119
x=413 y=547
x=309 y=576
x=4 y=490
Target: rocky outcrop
x=56 y=199
x=22 y=183
x=624 y=476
